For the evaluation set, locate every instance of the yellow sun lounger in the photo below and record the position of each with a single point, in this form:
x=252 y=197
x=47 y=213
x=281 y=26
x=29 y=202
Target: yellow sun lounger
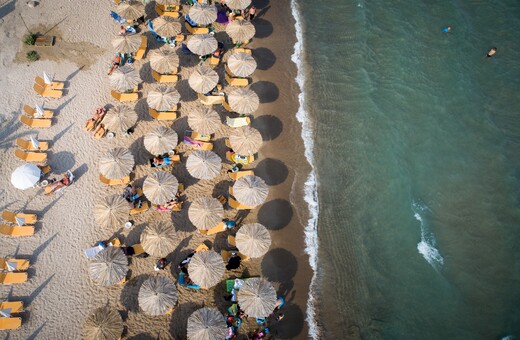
x=119 y=181
x=168 y=8
x=12 y=278
x=16 y=230
x=10 y=323
x=125 y=97
x=202 y=247
x=143 y=208
x=165 y=78
x=215 y=230
x=55 y=85
x=138 y=249
x=231 y=241
x=18 y=264
x=214 y=61
x=226 y=254
x=235 y=82
x=15 y=306
x=47 y=92
x=160 y=10
x=163 y=115
x=210 y=100
x=139 y=54
x=201 y=146
x=238 y=206
x=36 y=123
x=238 y=122
x=36 y=157
x=10 y=216
x=236 y=175
x=27 y=145
x=242 y=50
x=196 y=30
x=226 y=106
x=232 y=157
x=30 y=111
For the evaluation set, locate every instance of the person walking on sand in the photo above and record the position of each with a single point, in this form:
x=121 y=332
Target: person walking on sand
x=491 y=52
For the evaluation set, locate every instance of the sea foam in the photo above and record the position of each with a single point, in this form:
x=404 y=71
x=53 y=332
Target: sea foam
x=427 y=245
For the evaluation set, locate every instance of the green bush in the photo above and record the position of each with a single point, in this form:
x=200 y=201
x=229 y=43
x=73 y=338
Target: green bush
x=30 y=39
x=32 y=55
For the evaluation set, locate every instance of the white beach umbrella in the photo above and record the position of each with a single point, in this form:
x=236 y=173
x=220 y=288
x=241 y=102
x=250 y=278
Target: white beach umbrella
x=160 y=140
x=238 y=4
x=120 y=118
x=116 y=163
x=202 y=44
x=203 y=14
x=104 y=324
x=111 y=211
x=160 y=187
x=158 y=239
x=240 y=30
x=204 y=120
x=203 y=79
x=244 y=101
x=257 y=297
x=207 y=323
x=204 y=164
x=164 y=61
x=245 y=140
x=250 y=190
x=163 y=98
x=130 y=9
x=25 y=176
x=109 y=266
x=206 y=212
x=128 y=43
x=124 y=78
x=253 y=240
x=206 y=268
x=241 y=64
x=157 y=295
x=166 y=26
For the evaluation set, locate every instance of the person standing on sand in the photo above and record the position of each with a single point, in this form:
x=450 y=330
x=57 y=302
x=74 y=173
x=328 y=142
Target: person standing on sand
x=491 y=52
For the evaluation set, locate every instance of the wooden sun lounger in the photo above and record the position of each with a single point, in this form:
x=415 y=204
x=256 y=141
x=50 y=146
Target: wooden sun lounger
x=236 y=175
x=240 y=43
x=196 y=30
x=21 y=264
x=139 y=54
x=163 y=115
x=201 y=146
x=138 y=249
x=16 y=230
x=226 y=106
x=214 y=61
x=13 y=278
x=210 y=100
x=119 y=181
x=231 y=241
x=55 y=85
x=231 y=156
x=27 y=145
x=36 y=157
x=228 y=71
x=197 y=136
x=10 y=323
x=30 y=111
x=165 y=78
x=176 y=208
x=168 y=8
x=238 y=122
x=162 y=12
x=242 y=50
x=10 y=216
x=15 y=306
x=236 y=82
x=47 y=92
x=143 y=208
x=202 y=247
x=36 y=123
x=238 y=206
x=226 y=254
x=215 y=230
x=45 y=40
x=125 y=97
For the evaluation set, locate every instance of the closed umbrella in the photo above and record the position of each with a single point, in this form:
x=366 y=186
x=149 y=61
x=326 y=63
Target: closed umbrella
x=257 y=297
x=203 y=79
x=203 y=14
x=202 y=44
x=206 y=212
x=124 y=78
x=116 y=163
x=130 y=9
x=104 y=324
x=204 y=164
x=206 y=268
x=207 y=323
x=241 y=64
x=157 y=295
x=109 y=266
x=243 y=101
x=128 y=43
x=158 y=239
x=245 y=140
x=253 y=240
x=160 y=140
x=238 y=4
x=166 y=26
x=250 y=190
x=240 y=30
x=25 y=176
x=163 y=98
x=120 y=118
x=164 y=61
x=160 y=187
x=204 y=120
x=111 y=211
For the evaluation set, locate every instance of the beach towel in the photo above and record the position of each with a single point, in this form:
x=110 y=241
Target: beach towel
x=150 y=28
x=117 y=17
x=182 y=283
x=222 y=17
x=193 y=142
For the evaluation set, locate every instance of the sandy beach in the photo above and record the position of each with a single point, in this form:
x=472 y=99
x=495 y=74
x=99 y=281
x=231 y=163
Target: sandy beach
x=59 y=294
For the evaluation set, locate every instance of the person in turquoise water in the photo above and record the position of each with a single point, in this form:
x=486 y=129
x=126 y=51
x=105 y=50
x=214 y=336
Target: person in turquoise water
x=446 y=29
x=491 y=52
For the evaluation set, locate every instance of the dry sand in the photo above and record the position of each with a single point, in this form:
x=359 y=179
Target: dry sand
x=59 y=294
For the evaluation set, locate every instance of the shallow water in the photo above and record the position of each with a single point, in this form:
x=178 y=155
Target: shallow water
x=417 y=139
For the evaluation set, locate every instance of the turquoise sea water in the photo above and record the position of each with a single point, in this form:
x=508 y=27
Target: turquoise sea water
x=417 y=156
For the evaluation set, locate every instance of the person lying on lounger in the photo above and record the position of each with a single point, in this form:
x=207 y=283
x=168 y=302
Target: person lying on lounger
x=160 y=161
x=95 y=119
x=131 y=196
x=64 y=182
x=183 y=266
x=116 y=62
x=175 y=203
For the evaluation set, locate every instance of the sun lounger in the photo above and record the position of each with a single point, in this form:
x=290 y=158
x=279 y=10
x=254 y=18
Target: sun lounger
x=45 y=40
x=138 y=249
x=100 y=131
x=162 y=12
x=226 y=254
x=14 y=265
x=240 y=43
x=30 y=111
x=197 y=145
x=16 y=230
x=139 y=54
x=196 y=30
x=13 y=278
x=234 y=158
x=165 y=78
x=47 y=92
x=214 y=61
x=10 y=323
x=236 y=82
x=163 y=115
x=37 y=157
x=10 y=216
x=228 y=71
x=36 y=123
x=236 y=175
x=120 y=181
x=238 y=122
x=125 y=97
x=14 y=306
x=115 y=242
x=202 y=247
x=169 y=8
x=242 y=50
x=143 y=208
x=231 y=241
x=231 y=283
x=27 y=145
x=45 y=169
x=176 y=208
x=226 y=106
x=238 y=206
x=197 y=136
x=55 y=85
x=210 y=100
x=182 y=282
x=215 y=230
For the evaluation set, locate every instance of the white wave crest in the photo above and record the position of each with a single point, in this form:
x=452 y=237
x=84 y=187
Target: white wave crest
x=427 y=245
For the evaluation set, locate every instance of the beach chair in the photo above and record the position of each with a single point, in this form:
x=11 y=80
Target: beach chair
x=45 y=40
x=139 y=54
x=30 y=111
x=169 y=8
x=28 y=145
x=197 y=145
x=234 y=158
x=10 y=323
x=202 y=247
x=47 y=92
x=16 y=230
x=55 y=85
x=10 y=216
x=163 y=115
x=238 y=122
x=236 y=175
x=214 y=61
x=13 y=278
x=100 y=131
x=124 y=97
x=196 y=30
x=119 y=181
x=161 y=12
x=36 y=157
x=226 y=106
x=232 y=81
x=7 y=264
x=210 y=100
x=238 y=206
x=231 y=241
x=165 y=78
x=143 y=208
x=242 y=50
x=14 y=306
x=215 y=230
x=197 y=136
x=36 y=123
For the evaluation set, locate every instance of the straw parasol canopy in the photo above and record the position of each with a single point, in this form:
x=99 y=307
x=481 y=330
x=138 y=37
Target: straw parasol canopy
x=203 y=79
x=163 y=98
x=116 y=163
x=250 y=190
x=207 y=323
x=130 y=9
x=161 y=140
x=204 y=120
x=120 y=118
x=25 y=176
x=206 y=268
x=167 y=2
x=160 y=187
x=164 y=61
x=202 y=44
x=245 y=140
x=204 y=164
x=240 y=30
x=128 y=43
x=203 y=14
x=257 y=297
x=238 y=4
x=253 y=240
x=124 y=78
x=243 y=101
x=104 y=324
x=206 y=212
x=111 y=211
x=241 y=64
x=158 y=239
x=109 y=266
x=166 y=26
x=157 y=295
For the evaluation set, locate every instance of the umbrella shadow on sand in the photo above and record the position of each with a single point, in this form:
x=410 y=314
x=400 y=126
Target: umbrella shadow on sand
x=279 y=265
x=275 y=214
x=178 y=216
x=264 y=57
x=269 y=91
x=179 y=318
x=270 y=126
x=272 y=171
x=292 y=324
x=130 y=292
x=264 y=28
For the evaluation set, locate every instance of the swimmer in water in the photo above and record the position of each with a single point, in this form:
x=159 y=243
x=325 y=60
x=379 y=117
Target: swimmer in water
x=491 y=52
x=446 y=29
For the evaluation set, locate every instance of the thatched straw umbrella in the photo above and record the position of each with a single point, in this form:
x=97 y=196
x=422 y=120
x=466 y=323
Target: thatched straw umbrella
x=124 y=78
x=204 y=120
x=250 y=190
x=206 y=268
x=158 y=239
x=163 y=98
x=257 y=297
x=128 y=43
x=166 y=26
x=164 y=61
x=204 y=164
x=243 y=101
x=241 y=64
x=160 y=140
x=245 y=140
x=203 y=79
x=160 y=187
x=238 y=4
x=206 y=212
x=111 y=211
x=203 y=14
x=157 y=295
x=116 y=163
x=207 y=323
x=253 y=240
x=104 y=324
x=109 y=266
x=120 y=118
x=240 y=30
x=130 y=9
x=202 y=44
x=168 y=2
